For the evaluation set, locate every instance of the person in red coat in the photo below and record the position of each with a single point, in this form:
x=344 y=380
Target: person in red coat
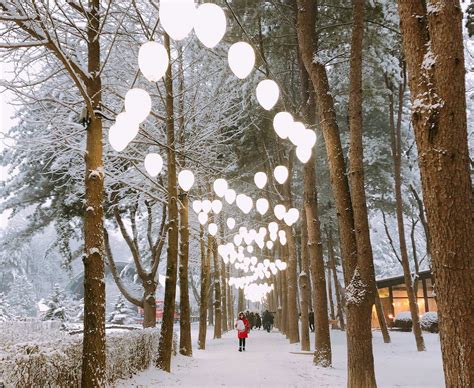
x=242 y=326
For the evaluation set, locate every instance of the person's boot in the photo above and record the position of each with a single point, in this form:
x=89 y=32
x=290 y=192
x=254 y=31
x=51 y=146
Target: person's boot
x=243 y=348
x=240 y=348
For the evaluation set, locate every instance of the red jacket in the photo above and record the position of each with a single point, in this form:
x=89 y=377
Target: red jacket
x=244 y=334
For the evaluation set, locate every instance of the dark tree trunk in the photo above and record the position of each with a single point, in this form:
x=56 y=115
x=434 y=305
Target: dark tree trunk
x=205 y=282
x=304 y=291
x=337 y=287
x=166 y=338
x=217 y=293
x=440 y=129
x=359 y=335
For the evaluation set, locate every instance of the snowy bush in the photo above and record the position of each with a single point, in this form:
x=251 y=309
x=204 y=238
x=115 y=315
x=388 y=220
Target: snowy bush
x=403 y=321
x=123 y=313
x=22 y=297
x=5 y=309
x=50 y=357
x=429 y=322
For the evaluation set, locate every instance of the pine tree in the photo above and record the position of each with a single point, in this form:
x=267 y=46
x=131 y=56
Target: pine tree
x=5 y=309
x=57 y=306
x=22 y=297
x=123 y=314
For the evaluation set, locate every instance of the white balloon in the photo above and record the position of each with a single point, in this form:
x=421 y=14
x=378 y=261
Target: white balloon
x=216 y=206
x=230 y=223
x=283 y=266
x=206 y=206
x=118 y=138
x=303 y=153
x=262 y=231
x=202 y=218
x=244 y=203
x=197 y=206
x=293 y=215
x=262 y=205
x=241 y=59
x=186 y=179
x=273 y=227
x=153 y=164
x=230 y=196
x=237 y=240
x=212 y=228
x=281 y=174
x=283 y=241
x=307 y=139
x=250 y=249
x=279 y=211
x=220 y=187
x=281 y=234
x=297 y=132
x=282 y=123
x=210 y=24
x=269 y=244
x=260 y=179
x=153 y=60
x=273 y=236
x=253 y=260
x=268 y=93
x=177 y=17
x=137 y=104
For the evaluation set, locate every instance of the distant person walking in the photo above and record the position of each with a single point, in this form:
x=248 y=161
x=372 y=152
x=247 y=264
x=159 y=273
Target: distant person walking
x=258 y=321
x=311 y=320
x=267 y=320
x=243 y=327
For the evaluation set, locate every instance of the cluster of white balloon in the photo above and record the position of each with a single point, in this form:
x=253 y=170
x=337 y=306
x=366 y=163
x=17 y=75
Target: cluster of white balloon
x=179 y=18
x=252 y=291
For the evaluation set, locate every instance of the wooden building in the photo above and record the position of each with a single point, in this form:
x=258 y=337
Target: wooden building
x=393 y=295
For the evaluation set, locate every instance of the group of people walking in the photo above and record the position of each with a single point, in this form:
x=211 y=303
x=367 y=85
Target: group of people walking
x=248 y=321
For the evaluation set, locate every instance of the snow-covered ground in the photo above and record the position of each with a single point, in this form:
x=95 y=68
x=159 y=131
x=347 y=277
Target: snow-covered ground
x=270 y=361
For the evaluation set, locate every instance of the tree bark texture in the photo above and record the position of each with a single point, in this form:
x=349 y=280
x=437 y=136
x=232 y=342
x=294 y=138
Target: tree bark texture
x=437 y=88
x=337 y=287
x=304 y=291
x=205 y=282
x=166 y=337
x=217 y=292
x=397 y=162
x=93 y=350
x=359 y=335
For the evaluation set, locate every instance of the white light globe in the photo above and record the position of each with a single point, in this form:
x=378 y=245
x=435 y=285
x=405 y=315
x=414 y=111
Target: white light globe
x=273 y=227
x=138 y=104
x=281 y=174
x=177 y=17
x=307 y=139
x=128 y=124
x=202 y=218
x=153 y=164
x=216 y=206
x=303 y=153
x=197 y=206
x=206 y=206
x=220 y=187
x=250 y=249
x=237 y=240
x=279 y=211
x=153 y=60
x=262 y=231
x=253 y=260
x=212 y=228
x=186 y=179
x=260 y=179
x=268 y=93
x=244 y=203
x=282 y=123
x=241 y=59
x=230 y=223
x=118 y=139
x=283 y=241
x=273 y=236
x=269 y=244
x=210 y=24
x=293 y=215
x=297 y=133
x=230 y=196
x=281 y=234
x=262 y=205
x=283 y=266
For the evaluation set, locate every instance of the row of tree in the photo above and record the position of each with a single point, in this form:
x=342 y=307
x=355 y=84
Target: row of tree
x=332 y=61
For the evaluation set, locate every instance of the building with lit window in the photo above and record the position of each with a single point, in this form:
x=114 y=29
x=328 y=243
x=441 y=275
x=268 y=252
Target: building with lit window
x=394 y=299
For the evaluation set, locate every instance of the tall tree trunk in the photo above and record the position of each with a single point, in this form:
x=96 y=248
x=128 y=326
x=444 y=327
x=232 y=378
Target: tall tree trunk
x=397 y=161
x=381 y=318
x=356 y=173
x=224 y=297
x=166 y=338
x=149 y=302
x=337 y=287
x=93 y=350
x=322 y=352
x=205 y=281
x=441 y=136
x=359 y=335
x=217 y=292
x=241 y=301
x=185 y=344
x=304 y=291
x=230 y=301
x=332 y=313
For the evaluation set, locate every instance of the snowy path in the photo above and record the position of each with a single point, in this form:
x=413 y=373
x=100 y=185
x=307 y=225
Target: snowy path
x=268 y=362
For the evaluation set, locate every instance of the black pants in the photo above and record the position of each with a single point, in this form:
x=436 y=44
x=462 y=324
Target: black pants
x=311 y=326
x=242 y=343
